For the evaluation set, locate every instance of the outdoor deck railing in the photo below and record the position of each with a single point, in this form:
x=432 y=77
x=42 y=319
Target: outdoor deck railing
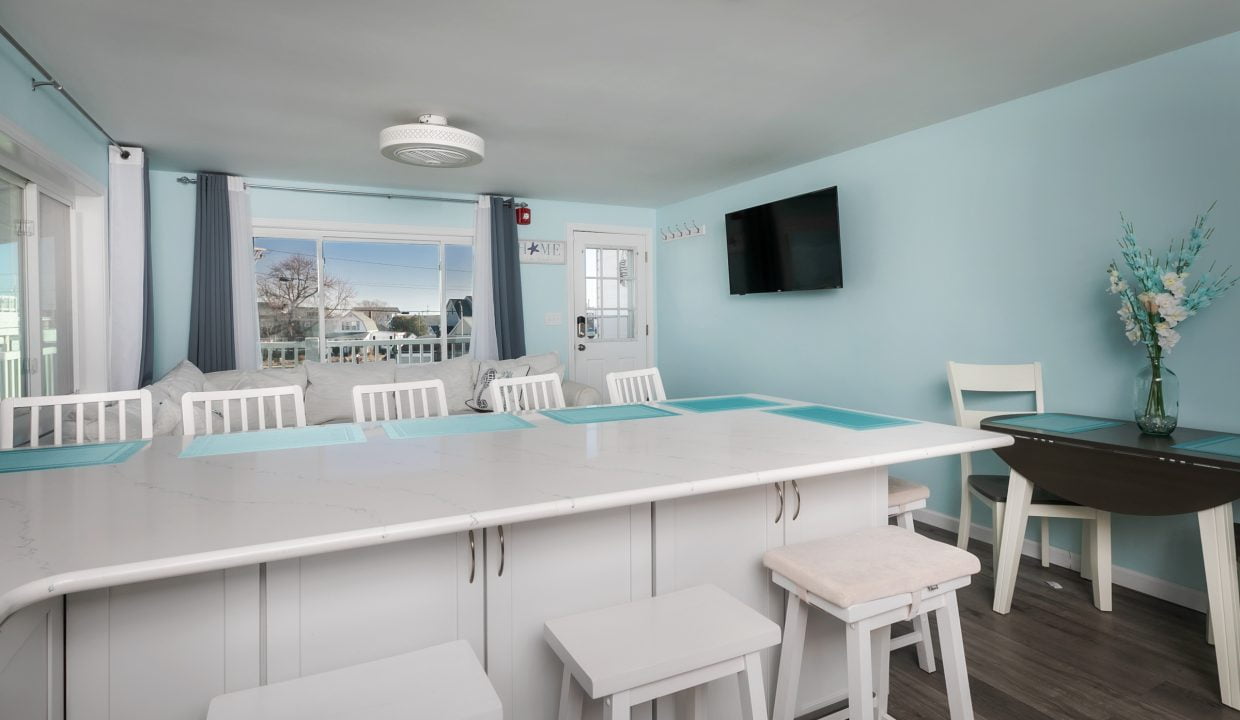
x=405 y=351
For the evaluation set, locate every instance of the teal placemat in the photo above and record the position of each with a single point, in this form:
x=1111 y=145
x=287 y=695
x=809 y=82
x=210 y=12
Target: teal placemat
x=1218 y=445
x=67 y=456
x=278 y=439
x=1058 y=422
x=453 y=425
x=851 y=419
x=606 y=413
x=717 y=404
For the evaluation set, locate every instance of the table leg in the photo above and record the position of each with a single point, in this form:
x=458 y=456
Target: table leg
x=1218 y=548
x=1016 y=517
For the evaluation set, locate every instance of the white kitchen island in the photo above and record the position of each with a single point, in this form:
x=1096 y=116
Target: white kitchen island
x=183 y=578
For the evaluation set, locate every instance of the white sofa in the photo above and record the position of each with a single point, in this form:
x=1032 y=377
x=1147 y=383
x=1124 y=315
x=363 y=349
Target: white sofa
x=328 y=387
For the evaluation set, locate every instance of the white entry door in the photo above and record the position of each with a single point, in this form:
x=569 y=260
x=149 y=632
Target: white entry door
x=610 y=328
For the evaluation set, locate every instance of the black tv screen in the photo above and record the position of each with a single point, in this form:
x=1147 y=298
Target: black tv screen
x=791 y=244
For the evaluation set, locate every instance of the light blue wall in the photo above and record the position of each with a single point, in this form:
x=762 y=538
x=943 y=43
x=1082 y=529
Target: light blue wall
x=172 y=228
x=48 y=117
x=985 y=238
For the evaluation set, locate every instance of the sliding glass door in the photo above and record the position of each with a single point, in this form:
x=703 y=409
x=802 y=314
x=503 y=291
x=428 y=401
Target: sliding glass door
x=13 y=228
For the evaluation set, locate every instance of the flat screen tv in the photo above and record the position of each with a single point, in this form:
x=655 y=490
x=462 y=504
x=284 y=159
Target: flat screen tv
x=791 y=244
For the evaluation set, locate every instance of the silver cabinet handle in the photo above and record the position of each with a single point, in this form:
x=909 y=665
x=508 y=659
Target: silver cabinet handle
x=796 y=489
x=779 y=490
x=501 y=551
x=473 y=561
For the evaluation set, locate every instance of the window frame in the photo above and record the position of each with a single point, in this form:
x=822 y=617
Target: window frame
x=328 y=231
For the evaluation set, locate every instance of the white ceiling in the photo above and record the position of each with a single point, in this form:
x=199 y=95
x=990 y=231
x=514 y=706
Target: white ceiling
x=641 y=102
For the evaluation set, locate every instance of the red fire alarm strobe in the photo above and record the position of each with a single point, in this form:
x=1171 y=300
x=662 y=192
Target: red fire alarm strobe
x=523 y=215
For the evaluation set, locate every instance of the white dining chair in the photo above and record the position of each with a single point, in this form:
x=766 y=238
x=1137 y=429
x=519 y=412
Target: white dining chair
x=396 y=401
x=635 y=386
x=238 y=404
x=991 y=490
x=527 y=394
x=76 y=410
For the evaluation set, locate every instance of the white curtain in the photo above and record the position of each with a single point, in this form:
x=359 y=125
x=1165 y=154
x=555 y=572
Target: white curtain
x=126 y=267
x=244 y=300
x=483 y=345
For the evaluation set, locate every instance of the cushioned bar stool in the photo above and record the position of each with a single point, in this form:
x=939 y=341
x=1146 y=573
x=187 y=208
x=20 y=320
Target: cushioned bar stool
x=632 y=653
x=870 y=579
x=903 y=497
x=445 y=682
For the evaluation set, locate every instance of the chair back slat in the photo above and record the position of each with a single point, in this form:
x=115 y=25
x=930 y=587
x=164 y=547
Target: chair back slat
x=244 y=400
x=108 y=408
x=396 y=401
x=635 y=386
x=527 y=394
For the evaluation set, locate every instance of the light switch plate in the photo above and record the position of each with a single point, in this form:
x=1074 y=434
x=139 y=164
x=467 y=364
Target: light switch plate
x=552 y=319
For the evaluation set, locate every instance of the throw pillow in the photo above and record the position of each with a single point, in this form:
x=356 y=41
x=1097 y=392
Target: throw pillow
x=166 y=396
x=488 y=372
x=458 y=375
x=329 y=396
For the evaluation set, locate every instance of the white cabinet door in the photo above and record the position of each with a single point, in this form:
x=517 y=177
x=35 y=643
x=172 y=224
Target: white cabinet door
x=32 y=671
x=329 y=611
x=824 y=507
x=719 y=538
x=544 y=569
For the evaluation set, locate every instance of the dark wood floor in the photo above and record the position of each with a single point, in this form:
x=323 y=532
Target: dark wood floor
x=1055 y=657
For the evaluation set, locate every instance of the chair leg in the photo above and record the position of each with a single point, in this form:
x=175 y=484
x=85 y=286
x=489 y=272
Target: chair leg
x=966 y=516
x=1209 y=628
x=1087 y=550
x=694 y=703
x=753 y=696
x=1046 y=543
x=925 y=646
x=955 y=672
x=999 y=509
x=617 y=707
x=882 y=671
x=860 y=672
x=905 y=520
x=1102 y=561
x=790 y=653
x=572 y=698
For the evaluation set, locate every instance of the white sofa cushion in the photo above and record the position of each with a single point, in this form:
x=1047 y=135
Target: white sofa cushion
x=458 y=375
x=166 y=396
x=250 y=379
x=329 y=395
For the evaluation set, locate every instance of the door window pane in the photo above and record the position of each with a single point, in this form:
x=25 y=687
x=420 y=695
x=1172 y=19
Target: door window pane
x=609 y=294
x=55 y=354
x=286 y=274
x=12 y=269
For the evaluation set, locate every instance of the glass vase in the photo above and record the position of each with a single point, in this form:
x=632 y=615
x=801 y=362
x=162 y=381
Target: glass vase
x=1156 y=397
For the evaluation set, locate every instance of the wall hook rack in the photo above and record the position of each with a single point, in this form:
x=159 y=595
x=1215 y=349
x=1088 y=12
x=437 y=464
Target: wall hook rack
x=682 y=230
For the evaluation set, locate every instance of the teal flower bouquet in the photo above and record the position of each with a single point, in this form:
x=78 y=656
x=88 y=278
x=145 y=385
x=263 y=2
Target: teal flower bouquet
x=1163 y=297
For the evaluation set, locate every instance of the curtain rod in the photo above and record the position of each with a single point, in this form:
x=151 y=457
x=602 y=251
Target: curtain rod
x=52 y=82
x=390 y=196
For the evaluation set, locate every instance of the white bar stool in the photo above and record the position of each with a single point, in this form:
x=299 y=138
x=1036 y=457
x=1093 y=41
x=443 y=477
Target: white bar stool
x=633 y=653
x=444 y=682
x=870 y=579
x=903 y=497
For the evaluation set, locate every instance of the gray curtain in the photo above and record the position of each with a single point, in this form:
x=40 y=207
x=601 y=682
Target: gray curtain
x=506 y=280
x=146 y=369
x=210 y=324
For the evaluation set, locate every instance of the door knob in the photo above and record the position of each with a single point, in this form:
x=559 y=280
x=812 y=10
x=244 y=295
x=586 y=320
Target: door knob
x=581 y=346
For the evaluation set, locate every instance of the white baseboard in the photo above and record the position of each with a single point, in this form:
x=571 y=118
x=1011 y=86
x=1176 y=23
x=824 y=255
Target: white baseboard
x=1131 y=579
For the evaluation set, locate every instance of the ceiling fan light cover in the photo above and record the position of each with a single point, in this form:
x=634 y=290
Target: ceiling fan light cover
x=431 y=142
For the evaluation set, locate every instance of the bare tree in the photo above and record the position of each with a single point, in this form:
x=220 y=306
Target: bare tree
x=291 y=285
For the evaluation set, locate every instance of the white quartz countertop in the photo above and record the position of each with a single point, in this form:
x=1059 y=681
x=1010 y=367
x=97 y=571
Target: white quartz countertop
x=158 y=515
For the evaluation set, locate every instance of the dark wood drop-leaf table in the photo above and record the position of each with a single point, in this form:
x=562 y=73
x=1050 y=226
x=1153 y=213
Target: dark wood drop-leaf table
x=1119 y=469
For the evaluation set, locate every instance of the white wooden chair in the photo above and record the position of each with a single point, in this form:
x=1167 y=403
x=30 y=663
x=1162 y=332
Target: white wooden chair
x=635 y=386
x=903 y=497
x=234 y=403
x=527 y=394
x=444 y=682
x=869 y=580
x=85 y=427
x=634 y=653
x=424 y=398
x=992 y=489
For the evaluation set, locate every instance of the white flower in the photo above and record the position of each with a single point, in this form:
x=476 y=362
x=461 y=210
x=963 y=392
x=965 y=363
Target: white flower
x=1148 y=301
x=1167 y=338
x=1133 y=334
x=1118 y=284
x=1174 y=282
x=1172 y=311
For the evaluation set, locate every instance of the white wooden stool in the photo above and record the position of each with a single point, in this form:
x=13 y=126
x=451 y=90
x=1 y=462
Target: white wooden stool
x=870 y=579
x=444 y=682
x=903 y=497
x=633 y=653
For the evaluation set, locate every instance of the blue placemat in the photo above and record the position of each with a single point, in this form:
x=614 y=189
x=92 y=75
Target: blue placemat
x=606 y=413
x=453 y=425
x=1217 y=445
x=278 y=439
x=67 y=456
x=717 y=404
x=851 y=419
x=1058 y=422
